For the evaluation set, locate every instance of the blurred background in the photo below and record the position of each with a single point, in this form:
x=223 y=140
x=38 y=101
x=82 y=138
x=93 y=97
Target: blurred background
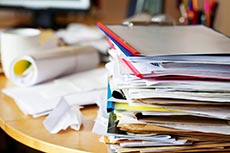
x=51 y=14
x=57 y=14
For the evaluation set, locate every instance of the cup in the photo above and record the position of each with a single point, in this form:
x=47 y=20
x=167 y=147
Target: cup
x=17 y=42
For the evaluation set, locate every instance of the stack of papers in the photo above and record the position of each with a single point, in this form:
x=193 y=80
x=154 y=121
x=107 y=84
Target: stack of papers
x=168 y=90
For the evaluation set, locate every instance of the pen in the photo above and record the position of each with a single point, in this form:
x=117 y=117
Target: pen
x=195 y=5
x=213 y=6
x=191 y=13
x=184 y=16
x=195 y=11
x=207 y=13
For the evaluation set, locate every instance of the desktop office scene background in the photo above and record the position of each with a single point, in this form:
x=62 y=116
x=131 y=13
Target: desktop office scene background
x=107 y=11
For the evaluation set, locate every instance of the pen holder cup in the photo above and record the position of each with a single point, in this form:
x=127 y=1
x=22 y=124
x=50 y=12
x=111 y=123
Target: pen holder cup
x=17 y=42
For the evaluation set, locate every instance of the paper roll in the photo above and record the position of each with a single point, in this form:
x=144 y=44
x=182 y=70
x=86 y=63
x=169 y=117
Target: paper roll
x=17 y=42
x=35 y=68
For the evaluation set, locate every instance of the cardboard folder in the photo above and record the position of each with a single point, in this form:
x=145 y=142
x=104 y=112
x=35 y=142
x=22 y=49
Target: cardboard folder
x=164 y=40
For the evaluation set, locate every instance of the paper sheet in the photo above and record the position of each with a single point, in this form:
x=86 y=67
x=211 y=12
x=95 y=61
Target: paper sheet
x=101 y=122
x=41 y=99
x=199 y=96
x=154 y=69
x=79 y=34
x=225 y=129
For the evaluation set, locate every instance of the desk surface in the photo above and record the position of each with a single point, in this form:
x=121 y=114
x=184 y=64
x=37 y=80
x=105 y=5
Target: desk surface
x=31 y=132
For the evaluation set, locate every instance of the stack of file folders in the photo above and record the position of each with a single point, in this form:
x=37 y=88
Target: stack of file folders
x=168 y=89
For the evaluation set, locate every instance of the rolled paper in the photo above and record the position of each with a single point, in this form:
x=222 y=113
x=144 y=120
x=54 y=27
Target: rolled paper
x=35 y=68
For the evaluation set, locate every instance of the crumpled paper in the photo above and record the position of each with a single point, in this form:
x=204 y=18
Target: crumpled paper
x=62 y=117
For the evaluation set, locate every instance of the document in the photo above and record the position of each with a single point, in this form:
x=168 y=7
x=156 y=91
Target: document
x=129 y=123
x=183 y=69
x=41 y=99
x=218 y=111
x=199 y=96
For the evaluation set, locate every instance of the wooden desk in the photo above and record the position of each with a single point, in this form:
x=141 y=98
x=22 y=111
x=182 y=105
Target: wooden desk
x=31 y=132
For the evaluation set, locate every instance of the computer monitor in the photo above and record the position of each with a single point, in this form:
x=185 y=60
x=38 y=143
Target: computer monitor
x=44 y=11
